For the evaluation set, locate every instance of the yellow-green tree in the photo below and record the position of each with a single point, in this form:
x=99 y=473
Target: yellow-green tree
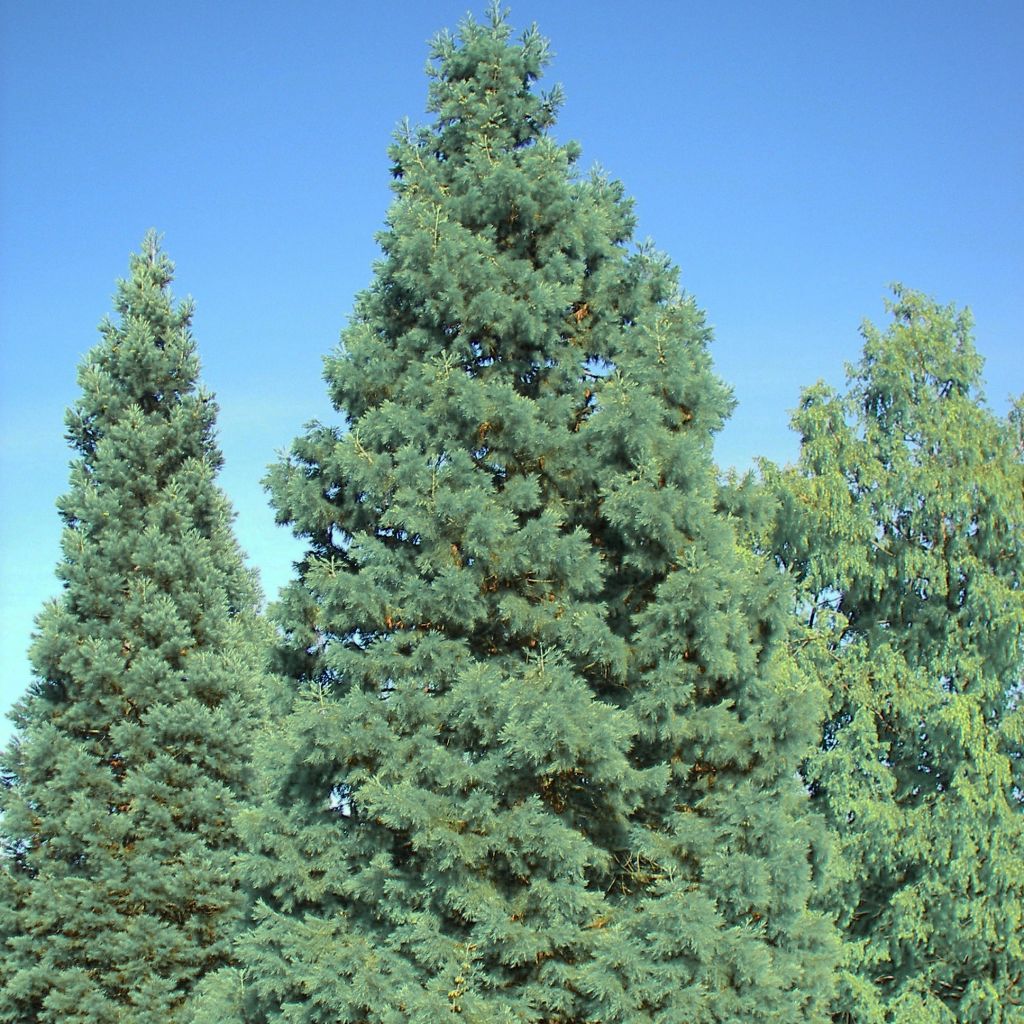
x=904 y=525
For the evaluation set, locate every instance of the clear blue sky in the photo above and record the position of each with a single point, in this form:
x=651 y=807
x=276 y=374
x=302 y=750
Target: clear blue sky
x=793 y=158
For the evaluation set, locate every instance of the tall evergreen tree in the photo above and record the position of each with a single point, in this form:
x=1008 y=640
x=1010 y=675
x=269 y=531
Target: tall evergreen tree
x=133 y=744
x=903 y=524
x=543 y=764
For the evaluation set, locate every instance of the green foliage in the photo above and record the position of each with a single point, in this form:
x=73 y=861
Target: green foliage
x=542 y=761
x=903 y=525
x=130 y=759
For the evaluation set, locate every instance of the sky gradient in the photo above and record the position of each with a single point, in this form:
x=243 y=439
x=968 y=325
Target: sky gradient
x=792 y=158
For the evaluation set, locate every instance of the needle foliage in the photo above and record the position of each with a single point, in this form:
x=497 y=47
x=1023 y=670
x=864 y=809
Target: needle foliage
x=117 y=891
x=542 y=762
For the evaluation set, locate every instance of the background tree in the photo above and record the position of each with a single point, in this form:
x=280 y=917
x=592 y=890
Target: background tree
x=543 y=763
x=133 y=744
x=903 y=524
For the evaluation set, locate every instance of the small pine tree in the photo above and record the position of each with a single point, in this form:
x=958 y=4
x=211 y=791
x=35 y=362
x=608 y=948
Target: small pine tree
x=543 y=763
x=903 y=525
x=132 y=746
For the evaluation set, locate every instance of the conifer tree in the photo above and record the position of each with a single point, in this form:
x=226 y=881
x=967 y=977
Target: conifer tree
x=132 y=746
x=903 y=525
x=542 y=764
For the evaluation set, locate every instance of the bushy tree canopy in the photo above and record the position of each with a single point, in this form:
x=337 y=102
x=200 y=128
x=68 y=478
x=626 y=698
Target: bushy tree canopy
x=542 y=763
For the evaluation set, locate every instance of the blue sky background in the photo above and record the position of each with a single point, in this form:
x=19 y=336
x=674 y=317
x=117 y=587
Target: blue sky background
x=793 y=158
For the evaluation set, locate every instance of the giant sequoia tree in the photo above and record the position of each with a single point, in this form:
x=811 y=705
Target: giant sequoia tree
x=543 y=762
x=131 y=754
x=903 y=524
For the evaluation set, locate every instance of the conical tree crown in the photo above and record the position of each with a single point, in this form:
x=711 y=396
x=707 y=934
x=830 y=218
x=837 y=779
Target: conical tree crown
x=133 y=743
x=903 y=524
x=498 y=750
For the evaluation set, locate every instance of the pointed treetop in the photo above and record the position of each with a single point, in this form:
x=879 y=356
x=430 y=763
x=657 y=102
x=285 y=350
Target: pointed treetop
x=482 y=86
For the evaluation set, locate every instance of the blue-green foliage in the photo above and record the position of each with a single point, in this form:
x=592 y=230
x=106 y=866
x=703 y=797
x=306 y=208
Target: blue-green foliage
x=541 y=765
x=117 y=891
